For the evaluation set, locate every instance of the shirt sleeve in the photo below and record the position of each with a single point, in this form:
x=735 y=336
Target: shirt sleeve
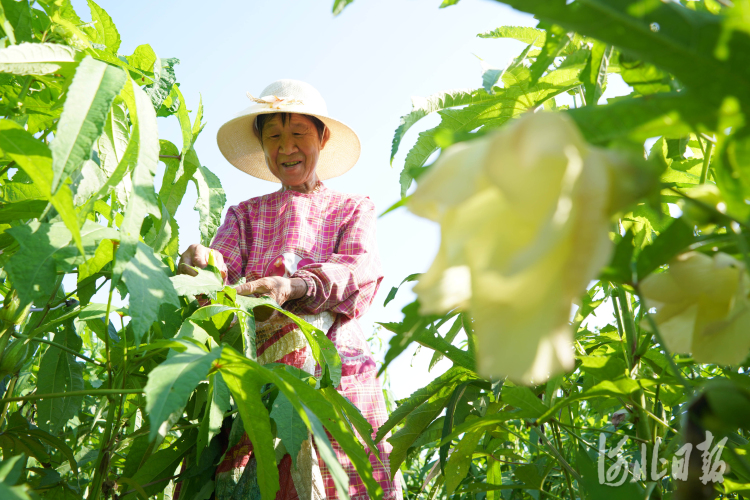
x=229 y=241
x=348 y=281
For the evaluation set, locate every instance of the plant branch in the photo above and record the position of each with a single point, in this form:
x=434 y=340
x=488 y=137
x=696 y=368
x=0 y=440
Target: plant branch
x=706 y=162
x=61 y=347
x=54 y=395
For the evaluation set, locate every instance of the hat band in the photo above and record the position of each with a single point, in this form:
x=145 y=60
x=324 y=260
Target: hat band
x=275 y=102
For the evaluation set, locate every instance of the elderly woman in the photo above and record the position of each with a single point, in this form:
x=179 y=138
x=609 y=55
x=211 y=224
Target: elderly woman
x=313 y=250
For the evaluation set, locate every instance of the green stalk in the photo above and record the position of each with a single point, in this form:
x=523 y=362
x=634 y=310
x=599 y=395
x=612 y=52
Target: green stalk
x=92 y=392
x=8 y=392
x=58 y=346
x=621 y=332
x=558 y=439
x=706 y=161
x=631 y=337
x=101 y=469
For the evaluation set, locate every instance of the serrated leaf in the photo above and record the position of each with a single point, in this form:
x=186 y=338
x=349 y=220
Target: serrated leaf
x=33 y=269
x=290 y=428
x=160 y=89
x=210 y=203
x=173 y=187
x=663 y=34
x=149 y=287
x=518 y=95
x=170 y=384
x=460 y=460
x=323 y=350
x=206 y=282
x=218 y=403
x=144 y=147
x=37 y=59
x=414 y=424
x=525 y=399
x=594 y=75
x=59 y=372
x=35 y=158
x=104 y=27
x=423 y=106
x=161 y=465
x=90 y=96
x=532 y=36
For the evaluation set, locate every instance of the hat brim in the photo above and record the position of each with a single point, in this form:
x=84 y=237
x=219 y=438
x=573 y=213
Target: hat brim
x=241 y=147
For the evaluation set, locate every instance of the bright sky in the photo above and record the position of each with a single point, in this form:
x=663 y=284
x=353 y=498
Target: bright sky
x=367 y=63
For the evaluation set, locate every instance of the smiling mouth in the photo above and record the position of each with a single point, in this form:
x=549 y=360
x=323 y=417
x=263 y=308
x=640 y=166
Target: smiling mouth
x=291 y=163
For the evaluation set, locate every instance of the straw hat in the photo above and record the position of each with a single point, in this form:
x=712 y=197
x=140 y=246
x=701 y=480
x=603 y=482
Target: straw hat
x=241 y=148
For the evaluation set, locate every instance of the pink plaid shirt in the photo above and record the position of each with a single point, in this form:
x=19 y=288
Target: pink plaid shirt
x=327 y=239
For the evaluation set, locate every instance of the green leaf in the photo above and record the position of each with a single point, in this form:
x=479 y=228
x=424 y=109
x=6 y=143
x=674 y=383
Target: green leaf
x=672 y=241
x=90 y=96
x=531 y=36
x=207 y=282
x=448 y=3
x=324 y=448
x=173 y=187
x=35 y=158
x=160 y=89
x=59 y=372
x=557 y=40
x=162 y=465
x=442 y=386
x=37 y=59
x=218 y=403
x=664 y=34
x=594 y=75
x=619 y=269
x=302 y=396
x=423 y=106
x=170 y=384
x=614 y=388
x=149 y=288
x=672 y=114
x=523 y=398
x=143 y=59
x=354 y=415
x=245 y=384
x=19 y=16
x=518 y=95
x=26 y=209
x=340 y=5
x=323 y=350
x=145 y=154
x=416 y=422
x=113 y=142
x=33 y=269
x=210 y=203
x=106 y=31
x=592 y=484
x=290 y=427
x=460 y=460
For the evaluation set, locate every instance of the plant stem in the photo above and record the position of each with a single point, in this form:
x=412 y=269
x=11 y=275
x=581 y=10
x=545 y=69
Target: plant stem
x=8 y=392
x=628 y=323
x=92 y=392
x=556 y=453
x=106 y=327
x=558 y=439
x=61 y=347
x=706 y=162
x=24 y=90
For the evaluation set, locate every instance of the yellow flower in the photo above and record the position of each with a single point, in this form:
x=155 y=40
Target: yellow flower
x=702 y=307
x=524 y=214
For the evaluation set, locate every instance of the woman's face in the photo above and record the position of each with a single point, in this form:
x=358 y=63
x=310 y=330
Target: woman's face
x=292 y=148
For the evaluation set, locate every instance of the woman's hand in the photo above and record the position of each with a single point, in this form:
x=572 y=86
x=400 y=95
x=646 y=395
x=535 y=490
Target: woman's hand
x=279 y=289
x=197 y=255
